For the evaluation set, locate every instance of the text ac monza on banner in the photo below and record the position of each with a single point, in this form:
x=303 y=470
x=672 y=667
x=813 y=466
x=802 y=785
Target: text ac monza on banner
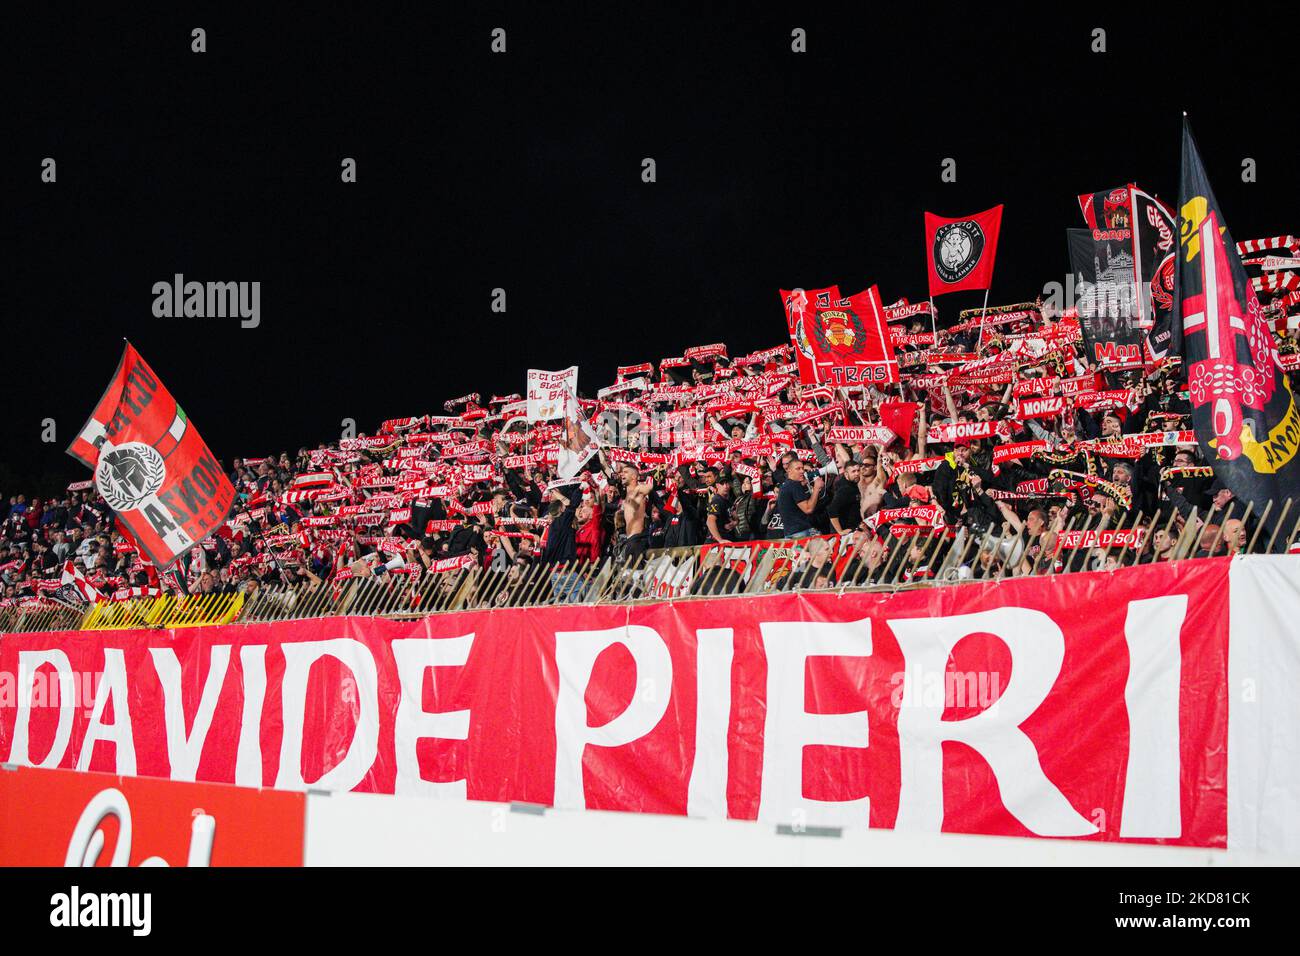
x=1091 y=706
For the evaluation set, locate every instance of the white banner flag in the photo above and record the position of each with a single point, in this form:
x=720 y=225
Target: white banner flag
x=547 y=391
x=578 y=443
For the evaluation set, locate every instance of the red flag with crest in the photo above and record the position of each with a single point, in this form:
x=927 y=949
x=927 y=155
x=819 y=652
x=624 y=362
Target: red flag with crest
x=961 y=252
x=151 y=466
x=801 y=306
x=851 y=344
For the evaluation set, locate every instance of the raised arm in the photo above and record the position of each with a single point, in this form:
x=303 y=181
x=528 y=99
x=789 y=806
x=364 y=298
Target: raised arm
x=952 y=405
x=1009 y=515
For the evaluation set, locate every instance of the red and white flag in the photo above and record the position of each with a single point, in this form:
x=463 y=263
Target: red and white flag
x=851 y=342
x=840 y=341
x=801 y=307
x=961 y=252
x=151 y=466
x=73 y=576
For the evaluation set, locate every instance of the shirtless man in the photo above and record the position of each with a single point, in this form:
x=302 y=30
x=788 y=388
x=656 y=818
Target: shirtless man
x=636 y=493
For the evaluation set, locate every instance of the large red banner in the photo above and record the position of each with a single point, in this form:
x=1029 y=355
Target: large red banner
x=1091 y=705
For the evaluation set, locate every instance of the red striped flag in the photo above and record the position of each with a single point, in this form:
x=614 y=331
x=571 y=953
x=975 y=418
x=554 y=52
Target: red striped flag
x=151 y=466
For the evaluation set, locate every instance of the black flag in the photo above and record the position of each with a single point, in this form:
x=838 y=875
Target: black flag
x=1243 y=410
x=1154 y=239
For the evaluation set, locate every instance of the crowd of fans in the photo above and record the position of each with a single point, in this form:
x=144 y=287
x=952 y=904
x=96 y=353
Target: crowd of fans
x=904 y=480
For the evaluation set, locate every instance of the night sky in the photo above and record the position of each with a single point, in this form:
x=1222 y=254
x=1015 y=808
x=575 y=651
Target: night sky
x=523 y=171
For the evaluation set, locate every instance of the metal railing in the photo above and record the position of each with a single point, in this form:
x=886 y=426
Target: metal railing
x=194 y=610
x=929 y=557
x=169 y=610
x=43 y=618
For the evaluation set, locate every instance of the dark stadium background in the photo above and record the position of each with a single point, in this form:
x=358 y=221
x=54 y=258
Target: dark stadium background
x=522 y=171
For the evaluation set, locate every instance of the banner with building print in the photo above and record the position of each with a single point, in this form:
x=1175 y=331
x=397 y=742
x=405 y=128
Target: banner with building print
x=1106 y=293
x=548 y=391
x=151 y=466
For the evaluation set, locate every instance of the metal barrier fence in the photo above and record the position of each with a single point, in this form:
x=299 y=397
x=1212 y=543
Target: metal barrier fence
x=929 y=557
x=169 y=610
x=932 y=557
x=20 y=621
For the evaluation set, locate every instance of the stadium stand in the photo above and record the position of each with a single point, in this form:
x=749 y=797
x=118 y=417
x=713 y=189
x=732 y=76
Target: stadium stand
x=948 y=476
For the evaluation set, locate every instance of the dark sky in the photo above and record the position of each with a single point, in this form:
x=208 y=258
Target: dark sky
x=522 y=171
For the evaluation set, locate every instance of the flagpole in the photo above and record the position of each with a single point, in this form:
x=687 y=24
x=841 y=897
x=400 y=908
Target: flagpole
x=934 y=326
x=983 y=312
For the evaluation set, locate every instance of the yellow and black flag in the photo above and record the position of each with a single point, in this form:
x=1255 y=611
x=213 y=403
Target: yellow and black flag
x=1243 y=409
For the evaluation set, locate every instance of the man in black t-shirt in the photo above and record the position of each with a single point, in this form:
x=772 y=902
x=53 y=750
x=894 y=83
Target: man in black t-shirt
x=796 y=502
x=684 y=527
x=717 y=513
x=846 y=502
